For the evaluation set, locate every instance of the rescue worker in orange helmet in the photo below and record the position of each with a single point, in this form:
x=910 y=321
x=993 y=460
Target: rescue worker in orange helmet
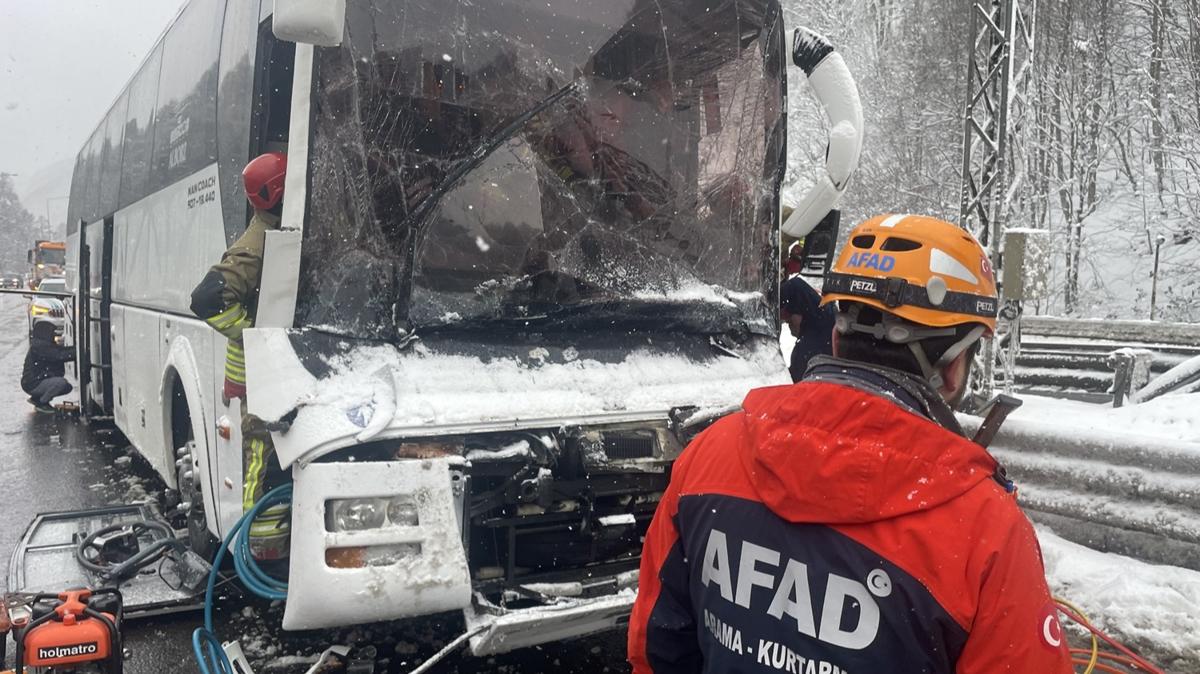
x=227 y=300
x=845 y=523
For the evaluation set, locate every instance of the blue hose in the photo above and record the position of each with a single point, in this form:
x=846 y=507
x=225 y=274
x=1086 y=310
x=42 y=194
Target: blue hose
x=254 y=578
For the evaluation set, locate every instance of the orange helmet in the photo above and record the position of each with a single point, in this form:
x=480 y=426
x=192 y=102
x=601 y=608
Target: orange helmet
x=924 y=270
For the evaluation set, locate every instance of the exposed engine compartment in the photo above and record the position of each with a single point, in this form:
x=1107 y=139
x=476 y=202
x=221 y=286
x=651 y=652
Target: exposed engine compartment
x=548 y=507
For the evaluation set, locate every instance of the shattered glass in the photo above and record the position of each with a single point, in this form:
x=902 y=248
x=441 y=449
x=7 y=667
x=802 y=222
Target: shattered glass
x=472 y=160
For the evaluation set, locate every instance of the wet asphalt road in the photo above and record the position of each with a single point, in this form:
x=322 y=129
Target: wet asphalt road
x=50 y=463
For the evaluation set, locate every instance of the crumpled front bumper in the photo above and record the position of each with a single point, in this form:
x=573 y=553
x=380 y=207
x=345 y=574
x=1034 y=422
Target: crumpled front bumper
x=432 y=578
x=509 y=630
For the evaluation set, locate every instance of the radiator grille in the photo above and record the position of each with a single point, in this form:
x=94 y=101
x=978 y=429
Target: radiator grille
x=619 y=446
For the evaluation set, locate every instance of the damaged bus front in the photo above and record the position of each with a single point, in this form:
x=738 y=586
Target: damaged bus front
x=534 y=250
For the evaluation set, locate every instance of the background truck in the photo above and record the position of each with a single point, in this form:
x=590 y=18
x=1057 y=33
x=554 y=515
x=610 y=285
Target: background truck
x=46 y=259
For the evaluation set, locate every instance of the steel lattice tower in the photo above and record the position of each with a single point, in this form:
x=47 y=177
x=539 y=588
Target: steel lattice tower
x=998 y=77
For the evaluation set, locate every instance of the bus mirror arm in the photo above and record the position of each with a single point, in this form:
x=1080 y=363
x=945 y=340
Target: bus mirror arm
x=835 y=89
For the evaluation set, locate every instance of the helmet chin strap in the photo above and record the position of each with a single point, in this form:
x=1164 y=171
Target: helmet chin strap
x=933 y=373
x=899 y=331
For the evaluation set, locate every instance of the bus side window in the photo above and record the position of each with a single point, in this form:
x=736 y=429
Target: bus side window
x=185 y=119
x=275 y=92
x=139 y=132
x=235 y=109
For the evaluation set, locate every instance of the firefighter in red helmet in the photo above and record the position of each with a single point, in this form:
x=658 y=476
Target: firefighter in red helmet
x=226 y=299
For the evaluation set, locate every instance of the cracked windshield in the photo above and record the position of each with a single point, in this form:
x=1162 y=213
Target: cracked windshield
x=541 y=156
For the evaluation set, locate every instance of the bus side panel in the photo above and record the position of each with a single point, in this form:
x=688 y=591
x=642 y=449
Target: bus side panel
x=138 y=360
x=72 y=275
x=189 y=349
x=228 y=452
x=165 y=243
x=121 y=392
x=71 y=268
x=163 y=246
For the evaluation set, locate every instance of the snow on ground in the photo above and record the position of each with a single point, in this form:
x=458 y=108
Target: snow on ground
x=1172 y=417
x=1156 y=608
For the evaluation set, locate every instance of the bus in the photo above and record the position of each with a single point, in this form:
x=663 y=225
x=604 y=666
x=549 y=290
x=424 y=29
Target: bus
x=528 y=250
x=47 y=259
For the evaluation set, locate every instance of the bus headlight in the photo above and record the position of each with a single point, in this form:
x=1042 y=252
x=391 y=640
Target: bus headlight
x=354 y=514
x=402 y=512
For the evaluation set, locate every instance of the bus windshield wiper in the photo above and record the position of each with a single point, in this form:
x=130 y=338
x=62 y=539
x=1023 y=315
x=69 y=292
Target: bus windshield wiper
x=482 y=152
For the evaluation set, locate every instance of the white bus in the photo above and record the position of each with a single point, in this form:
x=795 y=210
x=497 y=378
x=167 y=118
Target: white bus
x=528 y=251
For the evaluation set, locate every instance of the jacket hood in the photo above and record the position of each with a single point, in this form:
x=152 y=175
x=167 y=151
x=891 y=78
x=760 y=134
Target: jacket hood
x=834 y=454
x=43 y=330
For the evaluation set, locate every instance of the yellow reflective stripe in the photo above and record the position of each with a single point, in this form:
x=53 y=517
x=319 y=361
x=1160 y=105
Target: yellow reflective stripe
x=227 y=318
x=272 y=514
x=218 y=320
x=234 y=348
x=275 y=527
x=272 y=522
x=222 y=325
x=252 y=474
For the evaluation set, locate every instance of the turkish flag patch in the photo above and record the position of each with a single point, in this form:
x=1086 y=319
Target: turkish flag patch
x=1049 y=629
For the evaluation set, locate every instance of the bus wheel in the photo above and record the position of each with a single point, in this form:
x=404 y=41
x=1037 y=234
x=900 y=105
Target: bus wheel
x=192 y=501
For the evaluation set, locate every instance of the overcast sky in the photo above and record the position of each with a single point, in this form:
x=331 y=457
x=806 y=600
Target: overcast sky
x=63 y=64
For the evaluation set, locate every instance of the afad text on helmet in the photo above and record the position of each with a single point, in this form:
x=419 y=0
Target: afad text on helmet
x=872 y=261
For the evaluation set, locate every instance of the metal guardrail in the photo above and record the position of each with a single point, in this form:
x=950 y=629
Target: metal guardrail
x=1111 y=491
x=1149 y=332
x=1066 y=353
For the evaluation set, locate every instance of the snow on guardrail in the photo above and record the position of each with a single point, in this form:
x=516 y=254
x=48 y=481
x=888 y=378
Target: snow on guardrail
x=1149 y=332
x=1183 y=377
x=1124 y=481
x=1072 y=354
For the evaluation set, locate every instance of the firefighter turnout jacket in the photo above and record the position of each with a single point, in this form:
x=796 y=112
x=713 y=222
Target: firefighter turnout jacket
x=227 y=297
x=832 y=526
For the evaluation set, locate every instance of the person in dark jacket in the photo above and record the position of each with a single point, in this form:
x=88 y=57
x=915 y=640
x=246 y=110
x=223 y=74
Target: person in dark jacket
x=43 y=376
x=809 y=322
x=846 y=523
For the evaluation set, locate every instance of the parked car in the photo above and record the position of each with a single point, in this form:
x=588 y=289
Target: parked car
x=10 y=282
x=50 y=309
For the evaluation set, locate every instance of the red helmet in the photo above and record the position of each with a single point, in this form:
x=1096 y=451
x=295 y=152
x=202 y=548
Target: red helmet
x=263 y=178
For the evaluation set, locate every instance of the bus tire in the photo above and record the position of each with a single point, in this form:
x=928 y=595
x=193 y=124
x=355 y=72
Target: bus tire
x=200 y=540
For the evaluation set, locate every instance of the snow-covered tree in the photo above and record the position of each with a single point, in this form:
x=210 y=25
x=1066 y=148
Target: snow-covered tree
x=17 y=228
x=1112 y=136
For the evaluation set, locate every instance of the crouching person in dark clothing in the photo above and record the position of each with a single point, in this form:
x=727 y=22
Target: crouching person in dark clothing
x=42 y=378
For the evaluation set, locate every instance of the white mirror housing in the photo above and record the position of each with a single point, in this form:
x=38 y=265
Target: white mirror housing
x=316 y=22
x=834 y=88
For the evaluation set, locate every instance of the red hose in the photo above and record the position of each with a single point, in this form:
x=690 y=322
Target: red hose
x=1135 y=660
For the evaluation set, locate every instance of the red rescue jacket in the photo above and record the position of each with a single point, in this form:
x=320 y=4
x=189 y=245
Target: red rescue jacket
x=827 y=529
